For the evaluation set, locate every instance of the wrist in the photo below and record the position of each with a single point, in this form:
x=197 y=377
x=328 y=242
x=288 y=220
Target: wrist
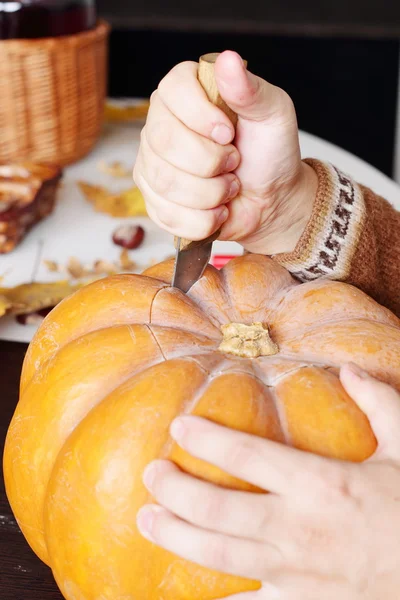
x=291 y=217
x=301 y=203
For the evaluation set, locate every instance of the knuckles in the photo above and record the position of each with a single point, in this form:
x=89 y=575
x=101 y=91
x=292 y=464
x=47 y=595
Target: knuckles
x=207 y=510
x=216 y=554
x=175 y=79
x=215 y=162
x=159 y=135
x=161 y=183
x=242 y=455
x=166 y=218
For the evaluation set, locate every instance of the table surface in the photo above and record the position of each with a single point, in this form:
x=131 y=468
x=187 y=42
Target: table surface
x=20 y=570
x=22 y=575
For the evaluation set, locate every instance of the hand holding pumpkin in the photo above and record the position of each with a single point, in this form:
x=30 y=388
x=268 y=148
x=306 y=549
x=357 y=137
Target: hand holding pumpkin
x=327 y=529
x=190 y=168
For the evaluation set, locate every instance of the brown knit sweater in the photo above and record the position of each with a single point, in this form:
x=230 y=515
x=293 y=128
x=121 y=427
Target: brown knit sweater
x=353 y=235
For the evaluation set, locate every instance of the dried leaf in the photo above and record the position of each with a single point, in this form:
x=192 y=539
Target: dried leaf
x=5 y=304
x=126 y=114
x=129 y=203
x=115 y=169
x=75 y=268
x=126 y=263
x=104 y=267
x=31 y=297
x=51 y=266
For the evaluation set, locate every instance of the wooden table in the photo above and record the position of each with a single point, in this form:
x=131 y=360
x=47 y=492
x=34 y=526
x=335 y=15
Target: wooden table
x=22 y=575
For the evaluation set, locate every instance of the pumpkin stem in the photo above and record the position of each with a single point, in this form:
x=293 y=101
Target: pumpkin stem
x=247 y=341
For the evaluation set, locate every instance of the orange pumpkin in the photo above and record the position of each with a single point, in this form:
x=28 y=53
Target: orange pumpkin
x=111 y=367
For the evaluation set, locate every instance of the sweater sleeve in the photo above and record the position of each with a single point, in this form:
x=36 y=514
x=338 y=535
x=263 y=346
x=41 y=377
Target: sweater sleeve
x=353 y=235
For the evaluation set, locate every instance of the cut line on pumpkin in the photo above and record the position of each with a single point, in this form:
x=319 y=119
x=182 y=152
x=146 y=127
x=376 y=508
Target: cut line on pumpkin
x=153 y=335
x=193 y=306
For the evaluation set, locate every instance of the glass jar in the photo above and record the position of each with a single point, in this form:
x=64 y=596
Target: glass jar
x=31 y=19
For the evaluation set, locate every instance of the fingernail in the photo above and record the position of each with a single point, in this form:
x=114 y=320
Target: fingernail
x=178 y=430
x=234 y=189
x=149 y=475
x=145 y=521
x=223 y=216
x=231 y=162
x=221 y=134
x=357 y=371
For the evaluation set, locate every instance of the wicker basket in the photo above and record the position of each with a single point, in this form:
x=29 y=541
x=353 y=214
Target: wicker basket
x=52 y=94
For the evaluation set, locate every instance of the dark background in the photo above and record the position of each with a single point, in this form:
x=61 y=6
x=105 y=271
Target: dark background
x=339 y=61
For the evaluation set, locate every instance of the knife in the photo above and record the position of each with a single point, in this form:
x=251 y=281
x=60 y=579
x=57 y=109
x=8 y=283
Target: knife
x=192 y=258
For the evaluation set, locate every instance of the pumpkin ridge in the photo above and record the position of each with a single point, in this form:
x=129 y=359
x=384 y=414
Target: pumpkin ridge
x=323 y=323
x=199 y=337
x=309 y=362
x=79 y=424
x=219 y=372
x=303 y=364
x=226 y=287
x=226 y=364
x=112 y=282
x=99 y=400
x=156 y=340
x=279 y=409
x=193 y=305
x=187 y=409
x=167 y=287
x=46 y=362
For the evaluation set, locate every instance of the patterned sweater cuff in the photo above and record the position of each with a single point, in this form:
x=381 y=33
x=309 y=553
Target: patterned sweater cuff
x=329 y=242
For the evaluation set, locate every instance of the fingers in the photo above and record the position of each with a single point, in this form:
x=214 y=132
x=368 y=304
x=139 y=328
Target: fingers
x=302 y=587
x=181 y=221
x=249 y=96
x=222 y=553
x=380 y=403
x=179 y=187
x=183 y=95
x=248 y=596
x=269 y=465
x=239 y=514
x=184 y=177
x=182 y=147
x=310 y=586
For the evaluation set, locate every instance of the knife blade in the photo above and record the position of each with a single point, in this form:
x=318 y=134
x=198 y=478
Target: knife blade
x=192 y=257
x=191 y=261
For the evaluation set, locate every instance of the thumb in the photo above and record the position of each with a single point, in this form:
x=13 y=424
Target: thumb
x=380 y=403
x=249 y=96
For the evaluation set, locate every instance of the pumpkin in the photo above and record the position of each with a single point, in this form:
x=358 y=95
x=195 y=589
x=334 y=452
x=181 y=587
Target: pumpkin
x=115 y=363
